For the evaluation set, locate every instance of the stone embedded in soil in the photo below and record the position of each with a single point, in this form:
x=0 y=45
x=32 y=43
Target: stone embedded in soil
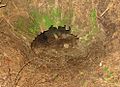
x=66 y=45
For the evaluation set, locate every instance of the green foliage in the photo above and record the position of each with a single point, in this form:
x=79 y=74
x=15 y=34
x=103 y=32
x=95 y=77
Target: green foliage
x=45 y=19
x=94 y=27
x=48 y=21
x=105 y=69
x=55 y=13
x=51 y=18
x=108 y=72
x=93 y=21
x=20 y=23
x=35 y=21
x=54 y=18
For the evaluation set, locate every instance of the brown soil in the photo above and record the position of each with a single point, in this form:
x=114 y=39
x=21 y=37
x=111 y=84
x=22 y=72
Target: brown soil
x=93 y=65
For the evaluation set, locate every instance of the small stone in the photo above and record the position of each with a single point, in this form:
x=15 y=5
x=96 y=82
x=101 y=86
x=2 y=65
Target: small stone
x=66 y=45
x=17 y=86
x=101 y=63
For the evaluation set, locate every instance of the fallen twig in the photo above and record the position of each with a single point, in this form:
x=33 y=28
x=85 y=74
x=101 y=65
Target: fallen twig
x=108 y=7
x=18 y=79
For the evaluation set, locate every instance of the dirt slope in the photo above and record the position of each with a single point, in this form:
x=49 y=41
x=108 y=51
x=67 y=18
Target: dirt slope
x=20 y=66
x=93 y=65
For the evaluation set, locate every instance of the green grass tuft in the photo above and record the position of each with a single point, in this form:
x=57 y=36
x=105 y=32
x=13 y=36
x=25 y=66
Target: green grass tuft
x=108 y=72
x=93 y=26
x=45 y=19
x=36 y=19
x=20 y=23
